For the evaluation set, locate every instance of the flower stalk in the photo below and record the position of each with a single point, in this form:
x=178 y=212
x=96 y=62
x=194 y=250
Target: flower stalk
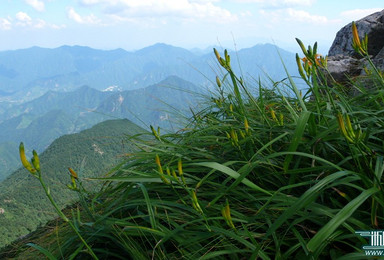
x=36 y=172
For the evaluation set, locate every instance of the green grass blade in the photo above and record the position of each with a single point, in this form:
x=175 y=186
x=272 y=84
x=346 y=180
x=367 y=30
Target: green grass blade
x=317 y=158
x=232 y=173
x=149 y=205
x=129 y=179
x=379 y=169
x=221 y=253
x=294 y=86
x=76 y=252
x=308 y=197
x=339 y=219
x=43 y=251
x=144 y=229
x=300 y=128
x=270 y=143
x=293 y=113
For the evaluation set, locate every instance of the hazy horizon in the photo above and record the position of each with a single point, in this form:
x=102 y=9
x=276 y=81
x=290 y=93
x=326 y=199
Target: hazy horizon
x=192 y=49
x=134 y=24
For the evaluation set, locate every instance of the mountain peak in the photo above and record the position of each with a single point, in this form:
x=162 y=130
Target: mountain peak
x=162 y=47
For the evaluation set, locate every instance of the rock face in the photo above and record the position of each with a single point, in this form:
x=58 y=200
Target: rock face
x=342 y=67
x=343 y=61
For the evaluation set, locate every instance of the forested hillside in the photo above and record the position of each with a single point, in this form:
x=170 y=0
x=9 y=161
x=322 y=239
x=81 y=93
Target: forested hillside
x=91 y=153
x=39 y=122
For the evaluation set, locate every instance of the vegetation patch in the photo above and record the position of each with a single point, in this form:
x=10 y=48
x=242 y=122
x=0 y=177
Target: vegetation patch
x=264 y=175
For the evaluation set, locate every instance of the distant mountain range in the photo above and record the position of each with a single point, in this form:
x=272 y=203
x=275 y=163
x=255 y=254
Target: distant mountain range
x=28 y=73
x=39 y=122
x=46 y=93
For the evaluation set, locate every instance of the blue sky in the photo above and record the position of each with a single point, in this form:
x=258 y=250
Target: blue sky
x=134 y=24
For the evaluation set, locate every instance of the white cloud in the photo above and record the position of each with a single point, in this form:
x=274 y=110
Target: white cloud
x=278 y=3
x=90 y=2
x=36 y=4
x=357 y=14
x=184 y=9
x=299 y=2
x=293 y=15
x=23 y=17
x=40 y=24
x=246 y=13
x=203 y=1
x=74 y=16
x=303 y=16
x=89 y=19
x=5 y=24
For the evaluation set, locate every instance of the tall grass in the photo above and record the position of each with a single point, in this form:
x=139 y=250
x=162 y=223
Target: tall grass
x=251 y=176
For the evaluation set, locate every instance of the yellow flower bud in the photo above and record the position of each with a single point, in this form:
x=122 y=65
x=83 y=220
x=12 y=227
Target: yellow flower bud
x=356 y=44
x=273 y=114
x=340 y=120
x=218 y=82
x=157 y=160
x=73 y=173
x=160 y=169
x=216 y=54
x=35 y=160
x=302 y=46
x=246 y=125
x=174 y=174
x=168 y=171
x=180 y=168
x=355 y=34
x=195 y=202
x=234 y=135
x=242 y=134
x=226 y=212
x=24 y=160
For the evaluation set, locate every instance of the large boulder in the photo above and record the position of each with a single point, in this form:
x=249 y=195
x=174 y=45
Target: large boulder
x=343 y=61
x=343 y=67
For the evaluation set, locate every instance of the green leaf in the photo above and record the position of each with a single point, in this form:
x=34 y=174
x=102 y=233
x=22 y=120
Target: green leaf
x=308 y=197
x=339 y=219
x=232 y=173
x=317 y=158
x=42 y=250
x=149 y=205
x=300 y=128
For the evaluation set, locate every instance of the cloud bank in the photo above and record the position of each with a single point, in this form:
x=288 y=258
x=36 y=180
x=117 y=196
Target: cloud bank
x=180 y=9
x=36 y=4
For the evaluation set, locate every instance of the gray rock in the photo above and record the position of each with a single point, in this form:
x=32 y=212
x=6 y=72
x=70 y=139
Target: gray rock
x=372 y=25
x=343 y=61
x=379 y=60
x=342 y=67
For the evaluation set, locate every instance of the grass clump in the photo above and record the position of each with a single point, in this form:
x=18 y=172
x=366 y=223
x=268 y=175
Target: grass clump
x=251 y=176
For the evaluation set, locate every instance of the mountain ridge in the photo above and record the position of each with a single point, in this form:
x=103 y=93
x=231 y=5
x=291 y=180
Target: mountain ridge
x=39 y=122
x=29 y=73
